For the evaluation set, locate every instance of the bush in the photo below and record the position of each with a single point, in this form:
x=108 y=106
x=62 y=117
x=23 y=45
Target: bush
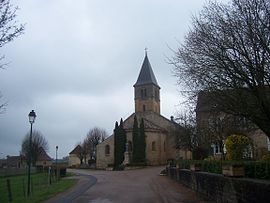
x=200 y=153
x=253 y=169
x=236 y=145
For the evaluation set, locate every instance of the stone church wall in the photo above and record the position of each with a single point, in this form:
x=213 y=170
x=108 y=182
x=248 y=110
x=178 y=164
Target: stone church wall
x=155 y=153
x=104 y=159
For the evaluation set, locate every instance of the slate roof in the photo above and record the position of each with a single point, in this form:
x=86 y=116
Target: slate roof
x=148 y=125
x=146 y=75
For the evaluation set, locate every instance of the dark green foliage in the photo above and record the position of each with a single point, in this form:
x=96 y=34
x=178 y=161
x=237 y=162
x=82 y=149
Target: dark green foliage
x=200 y=153
x=135 y=141
x=253 y=169
x=116 y=144
x=138 y=136
x=120 y=140
x=142 y=143
x=258 y=169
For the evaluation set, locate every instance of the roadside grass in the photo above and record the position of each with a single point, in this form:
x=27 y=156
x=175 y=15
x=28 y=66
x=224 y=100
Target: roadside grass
x=41 y=190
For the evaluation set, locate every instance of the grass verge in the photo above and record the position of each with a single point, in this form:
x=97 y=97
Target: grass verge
x=41 y=190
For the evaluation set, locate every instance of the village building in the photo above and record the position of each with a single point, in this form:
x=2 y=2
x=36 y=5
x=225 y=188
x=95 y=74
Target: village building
x=206 y=115
x=43 y=160
x=74 y=156
x=159 y=131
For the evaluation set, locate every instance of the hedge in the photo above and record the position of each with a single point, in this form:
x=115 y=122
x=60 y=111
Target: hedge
x=253 y=169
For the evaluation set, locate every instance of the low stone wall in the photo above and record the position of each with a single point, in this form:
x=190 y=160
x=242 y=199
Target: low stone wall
x=15 y=171
x=218 y=188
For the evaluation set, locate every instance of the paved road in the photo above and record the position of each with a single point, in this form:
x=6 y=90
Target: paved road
x=134 y=186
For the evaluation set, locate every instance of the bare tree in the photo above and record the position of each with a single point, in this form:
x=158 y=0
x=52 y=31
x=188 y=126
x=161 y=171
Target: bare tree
x=185 y=133
x=38 y=143
x=9 y=30
x=2 y=106
x=93 y=138
x=227 y=53
x=79 y=152
x=85 y=150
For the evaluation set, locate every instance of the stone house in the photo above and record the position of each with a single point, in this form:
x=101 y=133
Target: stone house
x=206 y=115
x=74 y=156
x=43 y=160
x=160 y=141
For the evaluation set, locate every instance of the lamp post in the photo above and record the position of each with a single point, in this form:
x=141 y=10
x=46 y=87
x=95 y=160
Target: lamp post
x=56 y=149
x=32 y=117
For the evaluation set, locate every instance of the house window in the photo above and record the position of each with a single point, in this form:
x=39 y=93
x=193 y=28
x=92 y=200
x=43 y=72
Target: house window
x=144 y=109
x=216 y=149
x=153 y=146
x=107 y=150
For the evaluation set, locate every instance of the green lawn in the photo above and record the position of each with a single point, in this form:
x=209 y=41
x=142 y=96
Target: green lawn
x=41 y=188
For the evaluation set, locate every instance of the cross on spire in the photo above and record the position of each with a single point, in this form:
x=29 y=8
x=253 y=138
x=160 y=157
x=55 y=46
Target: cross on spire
x=145 y=49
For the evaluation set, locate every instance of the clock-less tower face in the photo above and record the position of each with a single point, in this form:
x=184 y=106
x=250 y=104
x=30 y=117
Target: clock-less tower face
x=146 y=90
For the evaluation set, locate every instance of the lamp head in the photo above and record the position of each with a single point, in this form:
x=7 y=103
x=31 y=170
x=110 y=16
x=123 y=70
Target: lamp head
x=32 y=116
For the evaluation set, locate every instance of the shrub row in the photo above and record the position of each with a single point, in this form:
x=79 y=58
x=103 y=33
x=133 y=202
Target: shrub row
x=253 y=169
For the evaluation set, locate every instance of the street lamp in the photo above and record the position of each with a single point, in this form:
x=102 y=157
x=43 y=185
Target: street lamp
x=56 y=149
x=32 y=117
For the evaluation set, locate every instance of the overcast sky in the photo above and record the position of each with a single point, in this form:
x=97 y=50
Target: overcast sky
x=77 y=63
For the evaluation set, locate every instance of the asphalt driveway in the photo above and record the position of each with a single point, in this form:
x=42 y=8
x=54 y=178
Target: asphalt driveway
x=133 y=186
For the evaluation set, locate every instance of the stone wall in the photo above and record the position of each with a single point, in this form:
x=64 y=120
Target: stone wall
x=73 y=160
x=155 y=156
x=217 y=188
x=104 y=159
x=15 y=171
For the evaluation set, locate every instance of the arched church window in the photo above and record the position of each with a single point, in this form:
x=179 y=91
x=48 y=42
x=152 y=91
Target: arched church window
x=153 y=146
x=145 y=93
x=141 y=93
x=107 y=149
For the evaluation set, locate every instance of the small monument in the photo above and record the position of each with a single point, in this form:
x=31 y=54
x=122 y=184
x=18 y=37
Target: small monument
x=127 y=155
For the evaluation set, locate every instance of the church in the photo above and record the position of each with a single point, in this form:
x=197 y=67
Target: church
x=159 y=131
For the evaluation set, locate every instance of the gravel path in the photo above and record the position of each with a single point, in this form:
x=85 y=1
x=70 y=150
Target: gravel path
x=134 y=186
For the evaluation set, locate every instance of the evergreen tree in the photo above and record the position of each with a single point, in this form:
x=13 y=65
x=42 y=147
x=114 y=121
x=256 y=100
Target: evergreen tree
x=116 y=144
x=142 y=142
x=123 y=140
x=135 y=140
x=120 y=139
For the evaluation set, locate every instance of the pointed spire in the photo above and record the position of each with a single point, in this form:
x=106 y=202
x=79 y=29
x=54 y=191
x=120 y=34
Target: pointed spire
x=146 y=75
x=145 y=51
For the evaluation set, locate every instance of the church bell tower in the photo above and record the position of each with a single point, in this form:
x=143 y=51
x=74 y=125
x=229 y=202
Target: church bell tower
x=146 y=89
